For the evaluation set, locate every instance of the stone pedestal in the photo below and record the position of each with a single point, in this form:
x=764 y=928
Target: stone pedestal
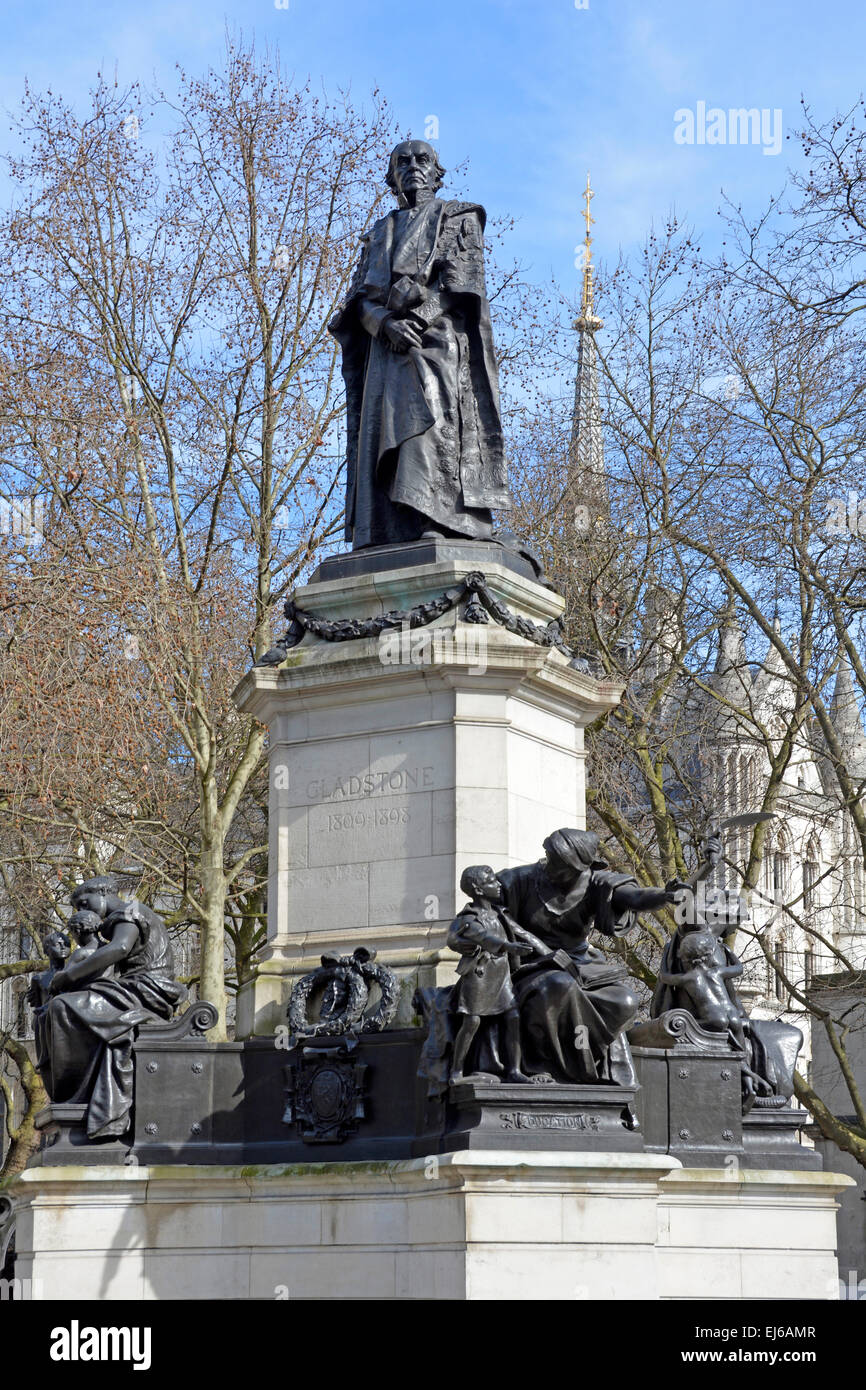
x=491 y=1225
x=397 y=760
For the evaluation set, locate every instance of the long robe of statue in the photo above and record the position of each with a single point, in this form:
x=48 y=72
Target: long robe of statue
x=424 y=435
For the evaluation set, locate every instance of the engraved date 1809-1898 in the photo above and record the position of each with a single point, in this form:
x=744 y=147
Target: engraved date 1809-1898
x=368 y=820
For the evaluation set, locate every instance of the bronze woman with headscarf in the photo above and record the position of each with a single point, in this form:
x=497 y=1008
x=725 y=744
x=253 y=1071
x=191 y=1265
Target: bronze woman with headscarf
x=576 y=1003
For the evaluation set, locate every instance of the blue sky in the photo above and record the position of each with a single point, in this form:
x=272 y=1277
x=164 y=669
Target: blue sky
x=530 y=94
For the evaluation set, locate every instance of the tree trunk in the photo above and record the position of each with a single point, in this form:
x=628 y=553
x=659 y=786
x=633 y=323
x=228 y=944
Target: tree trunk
x=212 y=981
x=25 y=1137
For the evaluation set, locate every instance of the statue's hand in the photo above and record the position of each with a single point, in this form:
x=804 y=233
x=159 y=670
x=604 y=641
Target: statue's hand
x=713 y=850
x=401 y=335
x=677 y=890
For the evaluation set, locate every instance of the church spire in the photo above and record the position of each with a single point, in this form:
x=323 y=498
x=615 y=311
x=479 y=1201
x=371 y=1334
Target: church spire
x=587 y=476
x=845 y=716
x=586 y=450
x=587 y=306
x=732 y=677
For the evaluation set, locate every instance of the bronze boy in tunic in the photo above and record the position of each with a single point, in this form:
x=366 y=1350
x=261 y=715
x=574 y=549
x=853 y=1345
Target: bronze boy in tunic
x=486 y=939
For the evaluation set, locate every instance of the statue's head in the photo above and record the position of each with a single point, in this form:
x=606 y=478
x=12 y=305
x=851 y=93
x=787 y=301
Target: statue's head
x=57 y=947
x=95 y=895
x=414 y=172
x=84 y=925
x=697 y=947
x=479 y=881
x=569 y=853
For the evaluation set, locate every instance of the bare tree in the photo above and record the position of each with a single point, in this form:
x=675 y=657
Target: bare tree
x=169 y=388
x=733 y=425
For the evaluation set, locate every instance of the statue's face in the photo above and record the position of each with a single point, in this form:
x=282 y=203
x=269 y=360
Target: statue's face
x=414 y=165
x=700 y=949
x=559 y=873
x=92 y=901
x=84 y=926
x=490 y=887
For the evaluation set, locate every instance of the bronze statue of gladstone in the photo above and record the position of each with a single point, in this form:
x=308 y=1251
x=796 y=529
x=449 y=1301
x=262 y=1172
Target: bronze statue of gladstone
x=424 y=447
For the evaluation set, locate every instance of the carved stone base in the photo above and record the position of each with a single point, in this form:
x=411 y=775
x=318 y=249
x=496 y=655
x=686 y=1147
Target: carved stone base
x=255 y=1102
x=481 y=1114
x=380 y=559
x=512 y=1225
x=690 y=1102
x=396 y=764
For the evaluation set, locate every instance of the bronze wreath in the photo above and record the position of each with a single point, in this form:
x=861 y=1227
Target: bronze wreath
x=297 y=1014
x=480 y=607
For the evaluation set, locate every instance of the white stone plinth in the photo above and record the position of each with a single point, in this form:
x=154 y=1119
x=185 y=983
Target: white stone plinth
x=532 y=1226
x=393 y=767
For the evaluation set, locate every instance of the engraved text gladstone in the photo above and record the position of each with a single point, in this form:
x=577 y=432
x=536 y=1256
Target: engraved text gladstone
x=368 y=784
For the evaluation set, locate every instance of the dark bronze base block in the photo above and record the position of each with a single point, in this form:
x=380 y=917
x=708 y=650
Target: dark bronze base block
x=332 y=1100
x=771 y=1139
x=64 y=1139
x=481 y=1114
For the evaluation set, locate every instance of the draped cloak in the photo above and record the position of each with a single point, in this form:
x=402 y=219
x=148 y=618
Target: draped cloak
x=424 y=434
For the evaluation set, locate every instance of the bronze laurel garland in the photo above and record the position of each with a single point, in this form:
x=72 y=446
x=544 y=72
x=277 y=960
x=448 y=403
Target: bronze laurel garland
x=481 y=606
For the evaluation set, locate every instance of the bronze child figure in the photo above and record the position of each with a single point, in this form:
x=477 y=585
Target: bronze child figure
x=704 y=983
x=57 y=947
x=84 y=926
x=487 y=939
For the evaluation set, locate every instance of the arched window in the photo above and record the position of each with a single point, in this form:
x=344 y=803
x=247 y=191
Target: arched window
x=780 y=969
x=781 y=866
x=745 y=788
x=768 y=865
x=808 y=967
x=733 y=782
x=771 y=974
x=811 y=874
